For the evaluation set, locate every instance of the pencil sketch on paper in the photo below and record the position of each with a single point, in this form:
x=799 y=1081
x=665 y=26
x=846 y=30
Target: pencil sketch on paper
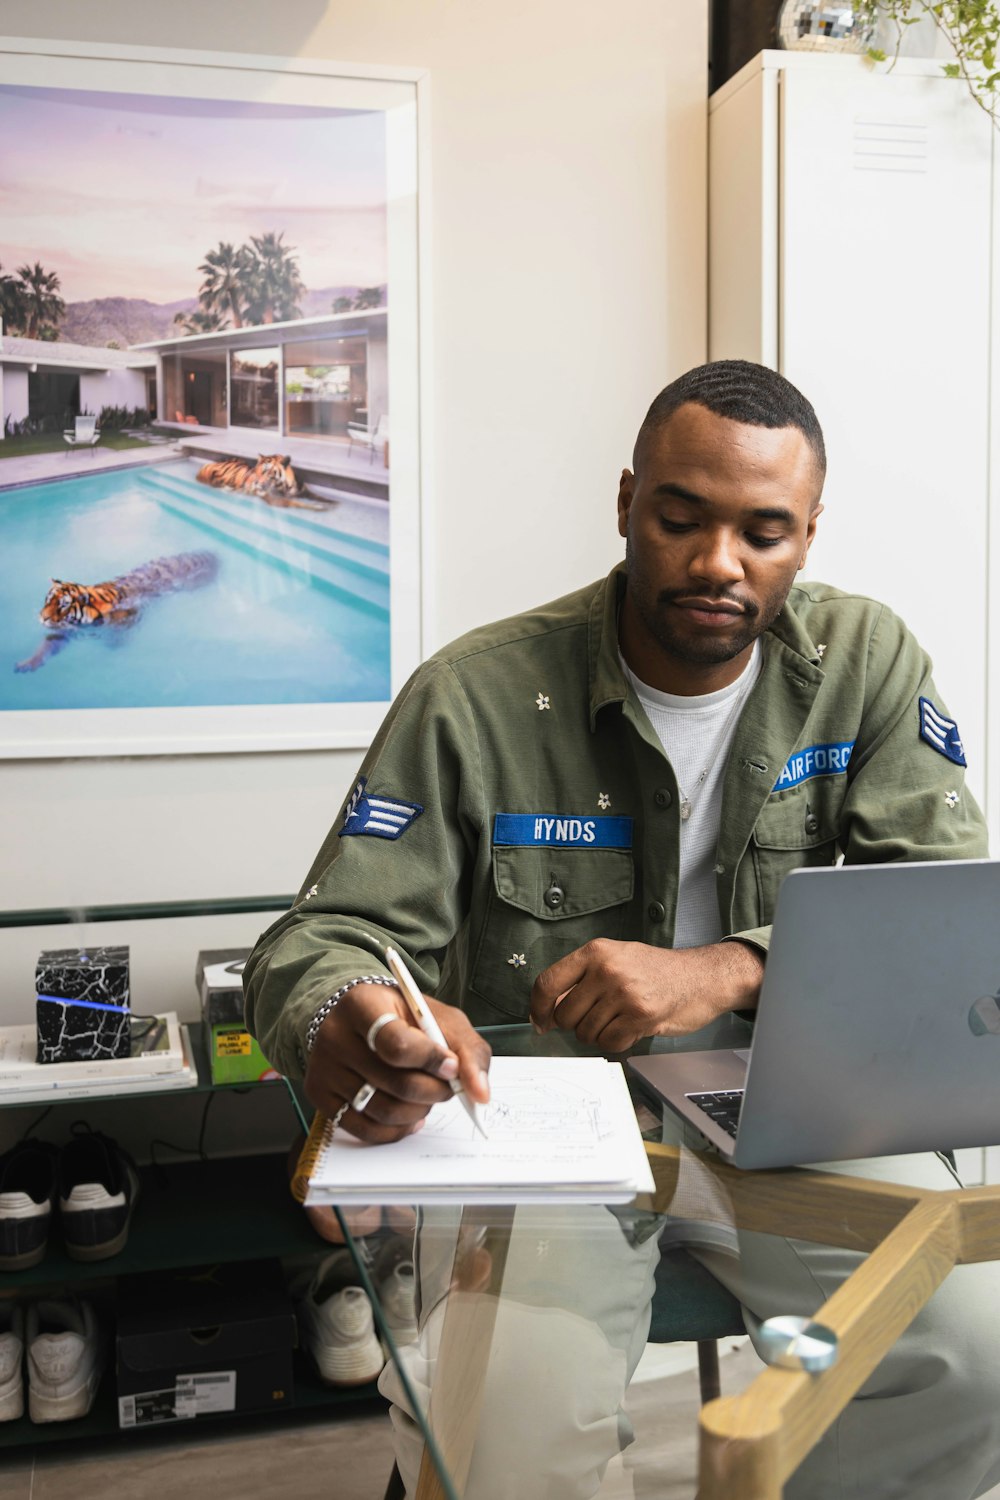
x=523 y=1113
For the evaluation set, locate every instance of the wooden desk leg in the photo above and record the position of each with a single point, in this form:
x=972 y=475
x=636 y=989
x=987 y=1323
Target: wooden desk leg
x=463 y=1357
x=750 y=1444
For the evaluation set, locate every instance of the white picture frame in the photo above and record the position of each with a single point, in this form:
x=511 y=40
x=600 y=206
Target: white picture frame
x=286 y=85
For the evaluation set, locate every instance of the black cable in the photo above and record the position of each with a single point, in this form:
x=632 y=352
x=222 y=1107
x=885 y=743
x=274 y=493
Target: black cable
x=29 y=1130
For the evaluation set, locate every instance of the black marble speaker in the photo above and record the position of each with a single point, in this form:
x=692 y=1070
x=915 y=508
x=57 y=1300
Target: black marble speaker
x=82 y=1004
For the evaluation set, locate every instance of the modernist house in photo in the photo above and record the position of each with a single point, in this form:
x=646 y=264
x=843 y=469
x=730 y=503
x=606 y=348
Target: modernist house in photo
x=40 y=379
x=312 y=378
x=309 y=378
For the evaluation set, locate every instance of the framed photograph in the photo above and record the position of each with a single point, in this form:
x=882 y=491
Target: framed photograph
x=211 y=463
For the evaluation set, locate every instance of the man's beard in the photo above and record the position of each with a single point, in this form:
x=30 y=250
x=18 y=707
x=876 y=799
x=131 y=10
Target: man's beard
x=665 y=623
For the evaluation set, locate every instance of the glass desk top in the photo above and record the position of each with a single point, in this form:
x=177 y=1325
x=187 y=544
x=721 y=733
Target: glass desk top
x=555 y=1355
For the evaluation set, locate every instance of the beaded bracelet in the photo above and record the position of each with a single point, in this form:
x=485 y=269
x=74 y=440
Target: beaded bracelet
x=330 y=1005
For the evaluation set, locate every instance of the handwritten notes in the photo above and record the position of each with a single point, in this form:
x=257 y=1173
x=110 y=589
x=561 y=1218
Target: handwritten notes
x=559 y=1129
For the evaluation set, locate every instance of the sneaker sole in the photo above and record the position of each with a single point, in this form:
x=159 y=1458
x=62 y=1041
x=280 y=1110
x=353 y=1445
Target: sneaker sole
x=12 y=1403
x=358 y=1365
x=24 y=1231
x=98 y=1252
x=43 y=1408
x=401 y=1332
x=24 y=1261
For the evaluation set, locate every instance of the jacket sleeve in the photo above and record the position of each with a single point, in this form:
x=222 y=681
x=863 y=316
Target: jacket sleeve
x=373 y=887
x=906 y=799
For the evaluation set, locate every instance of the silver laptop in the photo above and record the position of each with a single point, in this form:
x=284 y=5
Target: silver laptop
x=878 y=1028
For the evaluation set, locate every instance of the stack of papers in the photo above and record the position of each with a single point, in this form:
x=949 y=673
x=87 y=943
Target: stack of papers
x=160 y=1059
x=559 y=1129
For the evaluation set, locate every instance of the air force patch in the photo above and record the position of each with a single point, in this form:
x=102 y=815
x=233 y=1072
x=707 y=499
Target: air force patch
x=382 y=817
x=941 y=733
x=815 y=760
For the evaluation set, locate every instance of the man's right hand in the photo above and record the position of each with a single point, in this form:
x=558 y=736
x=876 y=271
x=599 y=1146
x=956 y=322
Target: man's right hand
x=408 y=1071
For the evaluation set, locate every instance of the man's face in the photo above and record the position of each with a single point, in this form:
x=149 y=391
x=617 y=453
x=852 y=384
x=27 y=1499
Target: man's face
x=718 y=519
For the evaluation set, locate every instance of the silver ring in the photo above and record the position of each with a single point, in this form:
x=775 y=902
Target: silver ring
x=363 y=1098
x=341 y=1112
x=377 y=1024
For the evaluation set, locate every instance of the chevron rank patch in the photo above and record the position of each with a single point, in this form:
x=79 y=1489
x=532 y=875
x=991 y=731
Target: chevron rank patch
x=382 y=817
x=941 y=733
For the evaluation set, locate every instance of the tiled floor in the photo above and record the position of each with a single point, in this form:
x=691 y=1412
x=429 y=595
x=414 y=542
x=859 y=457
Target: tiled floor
x=347 y=1458
x=350 y=1458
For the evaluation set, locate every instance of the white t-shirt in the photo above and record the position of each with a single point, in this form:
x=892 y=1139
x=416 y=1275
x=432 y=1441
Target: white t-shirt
x=696 y=733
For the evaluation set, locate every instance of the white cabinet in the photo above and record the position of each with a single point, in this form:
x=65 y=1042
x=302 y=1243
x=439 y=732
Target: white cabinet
x=850 y=248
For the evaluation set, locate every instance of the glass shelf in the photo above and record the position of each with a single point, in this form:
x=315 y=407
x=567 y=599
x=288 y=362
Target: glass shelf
x=54 y=916
x=205 y=1085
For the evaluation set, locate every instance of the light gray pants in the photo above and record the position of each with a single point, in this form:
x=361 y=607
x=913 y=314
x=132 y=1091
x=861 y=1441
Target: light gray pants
x=572 y=1322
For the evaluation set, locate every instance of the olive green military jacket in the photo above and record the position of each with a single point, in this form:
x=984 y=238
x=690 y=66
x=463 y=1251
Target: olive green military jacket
x=517 y=803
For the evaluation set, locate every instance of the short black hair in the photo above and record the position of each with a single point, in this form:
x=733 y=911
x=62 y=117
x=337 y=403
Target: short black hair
x=744 y=392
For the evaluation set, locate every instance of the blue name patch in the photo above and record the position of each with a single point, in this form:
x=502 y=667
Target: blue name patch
x=381 y=817
x=548 y=830
x=817 y=760
x=941 y=732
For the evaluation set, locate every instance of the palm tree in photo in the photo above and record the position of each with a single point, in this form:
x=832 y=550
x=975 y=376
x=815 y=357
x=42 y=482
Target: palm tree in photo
x=227 y=272
x=368 y=296
x=44 y=305
x=275 y=285
x=13 y=303
x=199 y=321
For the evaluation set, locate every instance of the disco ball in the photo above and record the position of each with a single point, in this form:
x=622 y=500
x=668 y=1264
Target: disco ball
x=805 y=27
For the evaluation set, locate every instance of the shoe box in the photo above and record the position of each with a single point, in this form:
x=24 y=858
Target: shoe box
x=233 y=1054
x=203 y=1340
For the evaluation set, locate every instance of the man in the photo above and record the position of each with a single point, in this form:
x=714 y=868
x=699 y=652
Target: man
x=582 y=815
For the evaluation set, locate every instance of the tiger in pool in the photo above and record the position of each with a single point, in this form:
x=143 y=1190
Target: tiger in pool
x=272 y=479
x=72 y=608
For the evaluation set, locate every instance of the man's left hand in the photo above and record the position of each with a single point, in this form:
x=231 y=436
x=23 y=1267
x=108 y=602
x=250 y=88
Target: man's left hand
x=613 y=994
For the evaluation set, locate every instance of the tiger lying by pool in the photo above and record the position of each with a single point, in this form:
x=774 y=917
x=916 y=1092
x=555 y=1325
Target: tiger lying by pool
x=71 y=607
x=272 y=479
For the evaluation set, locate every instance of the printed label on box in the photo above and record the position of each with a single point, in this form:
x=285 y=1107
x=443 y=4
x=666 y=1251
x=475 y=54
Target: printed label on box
x=197 y=1395
x=233 y=1044
x=149 y=1407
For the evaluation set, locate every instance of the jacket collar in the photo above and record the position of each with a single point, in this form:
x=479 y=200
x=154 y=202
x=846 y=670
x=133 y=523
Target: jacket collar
x=607 y=681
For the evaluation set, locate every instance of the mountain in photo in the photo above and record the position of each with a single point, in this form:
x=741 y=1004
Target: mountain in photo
x=133 y=320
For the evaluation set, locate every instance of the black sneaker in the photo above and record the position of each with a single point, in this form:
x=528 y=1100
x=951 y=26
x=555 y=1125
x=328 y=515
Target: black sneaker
x=27 y=1193
x=98 y=1187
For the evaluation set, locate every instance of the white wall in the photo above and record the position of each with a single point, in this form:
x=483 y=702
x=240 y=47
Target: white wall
x=115 y=388
x=15 y=393
x=567 y=251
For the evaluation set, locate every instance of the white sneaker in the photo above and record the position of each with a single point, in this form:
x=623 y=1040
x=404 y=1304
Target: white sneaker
x=336 y=1324
x=11 y=1355
x=397 y=1296
x=65 y=1360
x=98 y=1188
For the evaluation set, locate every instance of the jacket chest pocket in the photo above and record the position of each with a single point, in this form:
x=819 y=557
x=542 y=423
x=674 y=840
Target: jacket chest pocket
x=794 y=831
x=543 y=904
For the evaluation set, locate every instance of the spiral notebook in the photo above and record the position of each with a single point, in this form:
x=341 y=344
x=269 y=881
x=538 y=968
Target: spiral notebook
x=559 y=1129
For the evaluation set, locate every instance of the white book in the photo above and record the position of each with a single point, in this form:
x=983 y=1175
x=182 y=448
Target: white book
x=558 y=1129
x=41 y=1090
x=155 y=1049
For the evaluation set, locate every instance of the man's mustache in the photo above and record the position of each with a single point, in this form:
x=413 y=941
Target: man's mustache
x=746 y=606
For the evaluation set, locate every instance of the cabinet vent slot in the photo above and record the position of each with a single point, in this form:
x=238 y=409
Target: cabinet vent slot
x=889 y=146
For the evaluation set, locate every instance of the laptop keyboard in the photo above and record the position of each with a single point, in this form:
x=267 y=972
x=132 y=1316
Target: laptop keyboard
x=724 y=1108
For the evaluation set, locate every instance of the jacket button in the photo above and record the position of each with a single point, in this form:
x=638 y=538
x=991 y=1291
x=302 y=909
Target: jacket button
x=554 y=897
x=662 y=798
x=656 y=911
x=812 y=823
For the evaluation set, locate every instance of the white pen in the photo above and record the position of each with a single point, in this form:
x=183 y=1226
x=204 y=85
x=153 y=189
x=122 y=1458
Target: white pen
x=425 y=1020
